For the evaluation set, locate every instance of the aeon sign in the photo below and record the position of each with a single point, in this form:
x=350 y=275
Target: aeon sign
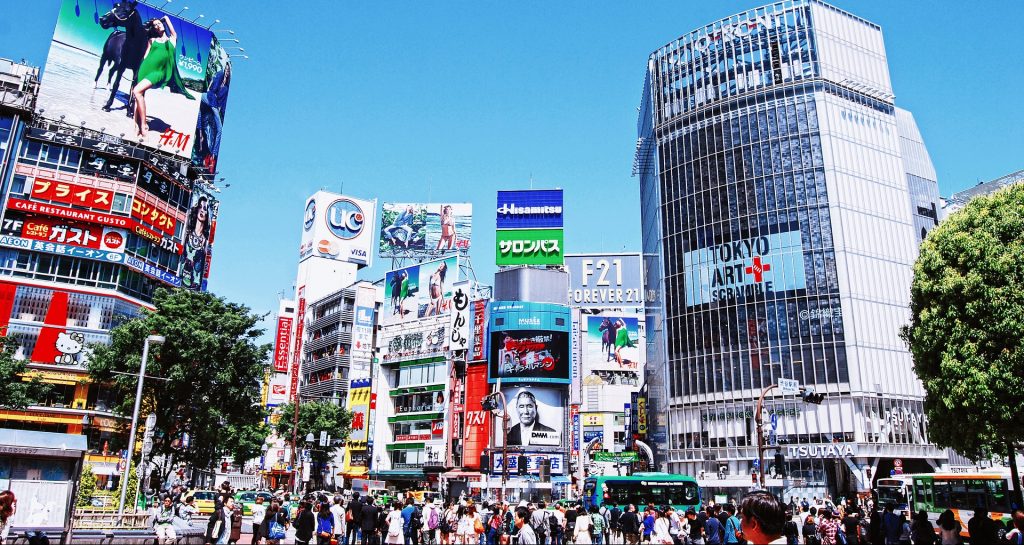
x=345 y=219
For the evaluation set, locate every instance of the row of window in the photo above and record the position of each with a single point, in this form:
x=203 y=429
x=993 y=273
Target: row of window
x=416 y=375
x=73 y=270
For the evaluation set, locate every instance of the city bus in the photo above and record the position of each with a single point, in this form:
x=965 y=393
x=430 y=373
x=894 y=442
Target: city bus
x=892 y=491
x=961 y=493
x=679 y=491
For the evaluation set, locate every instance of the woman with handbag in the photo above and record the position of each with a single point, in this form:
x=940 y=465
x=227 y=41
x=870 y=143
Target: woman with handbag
x=395 y=525
x=275 y=524
x=324 y=525
x=581 y=530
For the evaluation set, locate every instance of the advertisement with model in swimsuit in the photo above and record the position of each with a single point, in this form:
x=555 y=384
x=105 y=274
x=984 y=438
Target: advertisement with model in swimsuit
x=431 y=229
x=419 y=291
x=129 y=70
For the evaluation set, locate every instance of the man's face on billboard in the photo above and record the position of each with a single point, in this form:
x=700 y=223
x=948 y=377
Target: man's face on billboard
x=527 y=410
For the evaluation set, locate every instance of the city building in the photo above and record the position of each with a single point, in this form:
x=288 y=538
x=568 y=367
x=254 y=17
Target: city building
x=98 y=212
x=958 y=200
x=783 y=198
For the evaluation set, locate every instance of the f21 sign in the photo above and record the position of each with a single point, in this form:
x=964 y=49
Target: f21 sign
x=605 y=280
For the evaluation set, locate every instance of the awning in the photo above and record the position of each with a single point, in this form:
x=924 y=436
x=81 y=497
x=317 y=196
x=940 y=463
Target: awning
x=462 y=474
x=560 y=480
x=355 y=472
x=398 y=474
x=42 y=443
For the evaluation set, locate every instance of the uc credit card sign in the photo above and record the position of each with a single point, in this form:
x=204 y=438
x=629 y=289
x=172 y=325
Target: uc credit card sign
x=530 y=209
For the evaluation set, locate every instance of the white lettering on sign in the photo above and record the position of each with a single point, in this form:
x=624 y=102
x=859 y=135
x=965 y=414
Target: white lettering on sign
x=745 y=268
x=513 y=210
x=823 y=451
x=530 y=247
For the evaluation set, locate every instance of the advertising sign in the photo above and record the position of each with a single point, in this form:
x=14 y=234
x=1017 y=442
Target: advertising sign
x=200 y=225
x=574 y=421
x=536 y=417
x=612 y=343
x=641 y=416
x=154 y=214
x=297 y=348
x=362 y=330
x=107 y=166
x=174 y=192
x=60 y=249
x=212 y=107
x=458 y=327
x=419 y=291
x=74 y=194
x=68 y=213
x=479 y=351
x=533 y=461
x=339 y=228
x=529 y=247
x=605 y=280
x=358 y=403
x=63 y=232
x=281 y=341
x=753 y=267
x=94 y=58
x=417 y=340
x=278 y=392
x=478 y=421
x=530 y=209
x=424 y=229
x=529 y=356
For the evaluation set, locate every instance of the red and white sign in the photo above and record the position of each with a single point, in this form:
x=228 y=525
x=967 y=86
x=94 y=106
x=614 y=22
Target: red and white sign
x=68 y=193
x=69 y=213
x=298 y=343
x=278 y=392
x=412 y=437
x=75 y=234
x=284 y=332
x=153 y=215
x=437 y=428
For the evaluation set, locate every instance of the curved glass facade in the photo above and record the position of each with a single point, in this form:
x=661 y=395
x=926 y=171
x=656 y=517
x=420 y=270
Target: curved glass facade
x=779 y=227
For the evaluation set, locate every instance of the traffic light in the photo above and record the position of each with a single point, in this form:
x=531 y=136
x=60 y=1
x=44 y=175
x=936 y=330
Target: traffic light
x=521 y=464
x=488 y=403
x=780 y=464
x=810 y=397
x=485 y=461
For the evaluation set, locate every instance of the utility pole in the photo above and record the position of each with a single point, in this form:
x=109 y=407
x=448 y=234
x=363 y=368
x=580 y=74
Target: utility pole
x=788 y=386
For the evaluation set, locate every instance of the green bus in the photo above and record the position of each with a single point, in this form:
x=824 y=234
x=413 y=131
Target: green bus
x=961 y=493
x=679 y=491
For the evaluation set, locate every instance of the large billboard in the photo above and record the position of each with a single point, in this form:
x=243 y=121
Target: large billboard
x=213 y=106
x=529 y=247
x=338 y=227
x=200 y=227
x=536 y=417
x=753 y=267
x=419 y=229
x=530 y=356
x=605 y=280
x=133 y=70
x=530 y=209
x=612 y=343
x=419 y=291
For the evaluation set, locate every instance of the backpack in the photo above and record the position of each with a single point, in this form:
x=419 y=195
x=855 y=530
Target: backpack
x=541 y=529
x=496 y=522
x=615 y=516
x=432 y=520
x=553 y=522
x=416 y=520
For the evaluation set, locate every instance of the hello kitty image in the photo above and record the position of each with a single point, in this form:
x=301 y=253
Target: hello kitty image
x=69 y=345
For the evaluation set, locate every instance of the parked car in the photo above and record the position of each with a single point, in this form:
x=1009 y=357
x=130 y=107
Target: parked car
x=205 y=501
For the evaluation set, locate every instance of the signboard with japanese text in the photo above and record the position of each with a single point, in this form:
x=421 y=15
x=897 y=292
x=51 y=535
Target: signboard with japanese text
x=338 y=227
x=358 y=403
x=418 y=229
x=155 y=214
x=530 y=209
x=529 y=247
x=605 y=280
x=419 y=291
x=574 y=422
x=281 y=343
x=529 y=356
x=108 y=166
x=479 y=349
x=60 y=249
x=300 y=322
x=72 y=194
x=152 y=270
x=533 y=460
x=69 y=213
x=171 y=53
x=458 y=326
x=362 y=331
x=416 y=340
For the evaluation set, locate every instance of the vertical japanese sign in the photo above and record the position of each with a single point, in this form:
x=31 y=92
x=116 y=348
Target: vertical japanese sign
x=641 y=417
x=297 y=355
x=479 y=351
x=284 y=331
x=362 y=331
x=459 y=318
x=574 y=417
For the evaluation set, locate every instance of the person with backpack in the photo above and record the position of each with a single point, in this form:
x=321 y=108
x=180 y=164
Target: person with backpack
x=598 y=522
x=449 y=523
x=540 y=523
x=432 y=516
x=733 y=526
x=629 y=523
x=412 y=521
x=790 y=530
x=494 y=528
x=615 y=533
x=275 y=524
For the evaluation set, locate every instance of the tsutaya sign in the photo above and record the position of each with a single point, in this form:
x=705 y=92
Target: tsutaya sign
x=744 y=268
x=839 y=450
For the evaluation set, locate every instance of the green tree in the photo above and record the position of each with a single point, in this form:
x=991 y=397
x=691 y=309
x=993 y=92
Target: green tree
x=967 y=327
x=17 y=393
x=86 y=487
x=315 y=417
x=213 y=369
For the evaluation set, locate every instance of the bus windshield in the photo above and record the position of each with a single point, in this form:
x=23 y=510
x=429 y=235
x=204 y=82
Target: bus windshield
x=891 y=494
x=638 y=492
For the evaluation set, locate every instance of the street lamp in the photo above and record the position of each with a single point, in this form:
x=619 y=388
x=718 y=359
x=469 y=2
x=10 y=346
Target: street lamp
x=152 y=339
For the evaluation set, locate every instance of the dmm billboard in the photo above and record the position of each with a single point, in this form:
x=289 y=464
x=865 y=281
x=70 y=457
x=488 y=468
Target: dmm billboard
x=605 y=280
x=420 y=229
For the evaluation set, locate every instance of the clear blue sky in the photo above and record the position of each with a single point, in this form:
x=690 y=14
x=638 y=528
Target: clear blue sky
x=417 y=101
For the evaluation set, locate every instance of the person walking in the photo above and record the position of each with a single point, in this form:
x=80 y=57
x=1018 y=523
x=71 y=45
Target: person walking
x=713 y=528
x=582 y=529
x=949 y=528
x=891 y=526
x=661 y=533
x=790 y=530
x=524 y=532
x=275 y=524
x=733 y=526
x=540 y=523
x=338 y=520
x=353 y=520
x=810 y=531
x=236 y=523
x=305 y=523
x=218 y=527
x=449 y=524
x=615 y=533
x=395 y=526
x=629 y=523
x=259 y=512
x=600 y=525
x=324 y=524
x=828 y=527
x=411 y=522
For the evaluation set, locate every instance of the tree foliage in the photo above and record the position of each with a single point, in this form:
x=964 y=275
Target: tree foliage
x=86 y=487
x=17 y=393
x=315 y=417
x=967 y=325
x=214 y=368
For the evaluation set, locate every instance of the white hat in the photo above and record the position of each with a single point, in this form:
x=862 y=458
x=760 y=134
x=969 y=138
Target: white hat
x=522 y=503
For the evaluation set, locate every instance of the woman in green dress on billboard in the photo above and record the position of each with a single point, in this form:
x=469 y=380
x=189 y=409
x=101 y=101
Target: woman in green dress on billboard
x=159 y=68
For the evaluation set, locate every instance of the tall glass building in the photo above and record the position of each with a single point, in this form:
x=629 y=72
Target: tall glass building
x=783 y=199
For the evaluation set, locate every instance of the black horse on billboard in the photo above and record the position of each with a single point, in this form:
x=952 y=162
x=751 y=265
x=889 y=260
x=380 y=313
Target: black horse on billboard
x=123 y=48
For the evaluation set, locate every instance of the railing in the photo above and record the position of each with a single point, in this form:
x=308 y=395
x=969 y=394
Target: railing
x=97 y=518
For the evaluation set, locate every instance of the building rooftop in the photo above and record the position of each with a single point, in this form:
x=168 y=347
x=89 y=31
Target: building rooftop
x=19 y=84
x=985 y=188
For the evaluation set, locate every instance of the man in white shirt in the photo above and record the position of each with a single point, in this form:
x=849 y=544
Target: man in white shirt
x=338 y=514
x=259 y=511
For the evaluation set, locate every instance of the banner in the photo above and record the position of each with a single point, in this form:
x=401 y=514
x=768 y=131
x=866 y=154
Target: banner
x=69 y=213
x=753 y=267
x=459 y=324
x=200 y=226
x=212 y=107
x=278 y=389
x=281 y=343
x=529 y=247
x=362 y=331
x=611 y=343
x=419 y=291
x=529 y=209
x=479 y=351
x=60 y=249
x=419 y=230
x=605 y=280
x=533 y=461
x=536 y=417
x=94 y=56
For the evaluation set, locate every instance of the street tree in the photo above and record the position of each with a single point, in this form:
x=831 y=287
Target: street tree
x=316 y=417
x=203 y=383
x=16 y=392
x=967 y=328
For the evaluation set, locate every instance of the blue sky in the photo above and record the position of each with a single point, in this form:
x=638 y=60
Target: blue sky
x=418 y=101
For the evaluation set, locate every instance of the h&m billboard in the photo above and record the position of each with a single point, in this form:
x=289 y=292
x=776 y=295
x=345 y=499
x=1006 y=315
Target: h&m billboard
x=605 y=280
x=418 y=229
x=529 y=342
x=99 y=62
x=339 y=228
x=530 y=209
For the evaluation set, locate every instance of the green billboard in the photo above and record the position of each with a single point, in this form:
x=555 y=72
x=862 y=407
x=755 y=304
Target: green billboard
x=529 y=247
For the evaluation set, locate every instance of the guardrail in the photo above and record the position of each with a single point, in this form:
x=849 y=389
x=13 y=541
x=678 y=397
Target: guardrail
x=100 y=519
